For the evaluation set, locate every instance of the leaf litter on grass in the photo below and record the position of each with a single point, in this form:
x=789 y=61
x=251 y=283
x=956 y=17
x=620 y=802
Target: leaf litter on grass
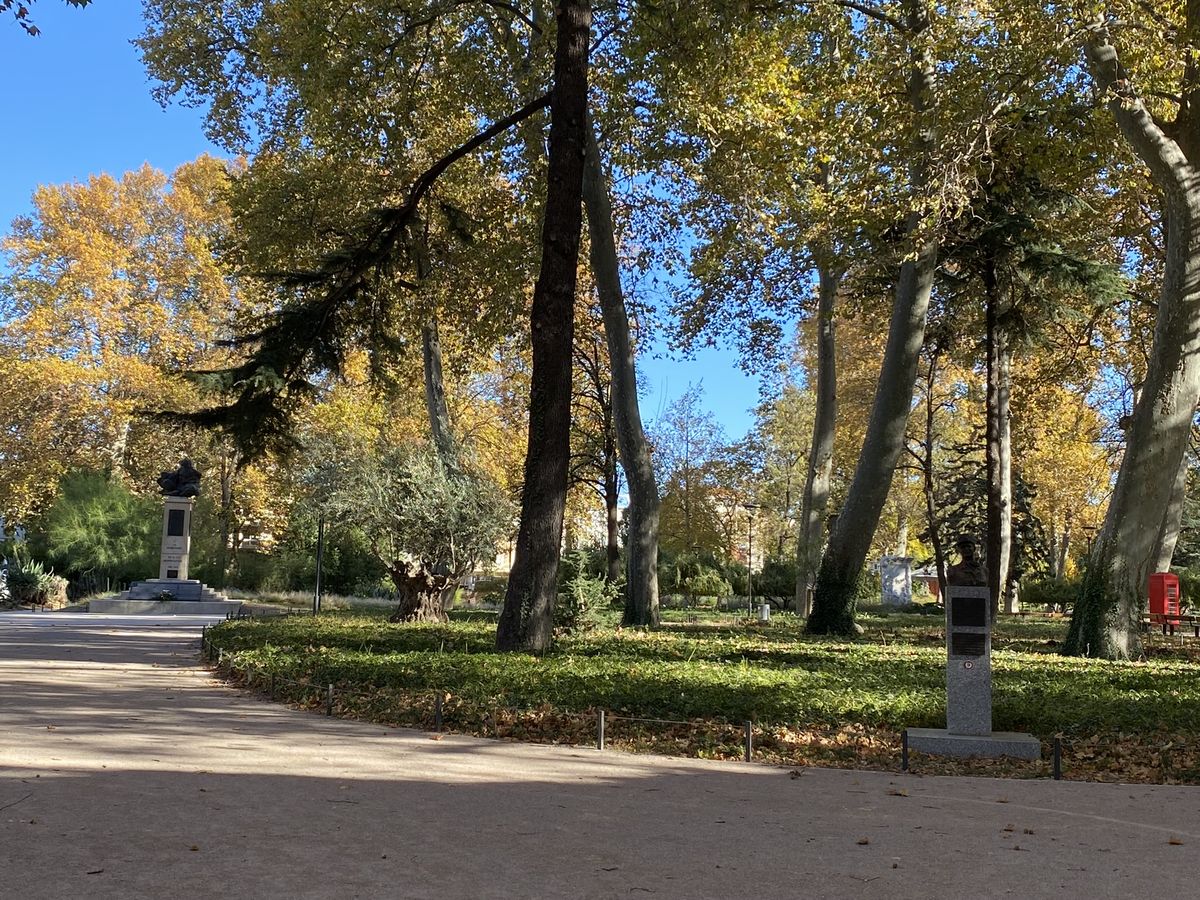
x=818 y=702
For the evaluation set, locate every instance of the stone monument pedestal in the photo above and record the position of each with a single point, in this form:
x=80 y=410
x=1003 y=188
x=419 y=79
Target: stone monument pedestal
x=968 y=730
x=940 y=742
x=895 y=578
x=167 y=596
x=172 y=592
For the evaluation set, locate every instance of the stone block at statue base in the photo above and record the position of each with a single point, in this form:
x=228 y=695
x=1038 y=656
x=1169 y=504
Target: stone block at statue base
x=940 y=742
x=115 y=607
x=150 y=597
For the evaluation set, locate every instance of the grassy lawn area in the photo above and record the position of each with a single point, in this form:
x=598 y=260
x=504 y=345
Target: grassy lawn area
x=813 y=701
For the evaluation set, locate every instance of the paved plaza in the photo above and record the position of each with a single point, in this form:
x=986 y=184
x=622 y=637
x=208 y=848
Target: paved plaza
x=127 y=771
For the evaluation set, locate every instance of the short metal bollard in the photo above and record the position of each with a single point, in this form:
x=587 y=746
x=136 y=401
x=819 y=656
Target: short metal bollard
x=1057 y=758
x=600 y=730
x=749 y=741
x=329 y=701
x=904 y=750
x=437 y=711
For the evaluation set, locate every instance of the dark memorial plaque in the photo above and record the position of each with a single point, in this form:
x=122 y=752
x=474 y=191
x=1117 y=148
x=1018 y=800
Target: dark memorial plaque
x=965 y=643
x=969 y=612
x=175 y=521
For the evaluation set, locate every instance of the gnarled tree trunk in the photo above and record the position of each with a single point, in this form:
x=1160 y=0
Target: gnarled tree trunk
x=527 y=619
x=641 y=567
x=419 y=594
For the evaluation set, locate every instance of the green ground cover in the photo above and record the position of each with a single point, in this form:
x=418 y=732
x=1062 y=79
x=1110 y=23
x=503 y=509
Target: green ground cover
x=850 y=698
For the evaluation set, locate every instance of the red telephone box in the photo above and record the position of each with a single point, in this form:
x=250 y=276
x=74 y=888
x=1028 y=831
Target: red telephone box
x=1164 y=595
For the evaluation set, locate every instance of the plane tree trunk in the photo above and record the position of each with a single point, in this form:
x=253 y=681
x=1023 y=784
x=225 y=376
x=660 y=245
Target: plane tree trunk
x=1106 y=618
x=820 y=458
x=842 y=564
x=641 y=568
x=998 y=451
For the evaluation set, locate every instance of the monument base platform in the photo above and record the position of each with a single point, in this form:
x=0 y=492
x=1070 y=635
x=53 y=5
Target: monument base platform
x=167 y=596
x=164 y=607
x=941 y=742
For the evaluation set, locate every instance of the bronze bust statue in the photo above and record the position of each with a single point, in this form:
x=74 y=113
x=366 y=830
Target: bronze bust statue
x=183 y=482
x=969 y=570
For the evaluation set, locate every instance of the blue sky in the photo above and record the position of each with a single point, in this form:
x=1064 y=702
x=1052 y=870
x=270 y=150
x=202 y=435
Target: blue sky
x=77 y=102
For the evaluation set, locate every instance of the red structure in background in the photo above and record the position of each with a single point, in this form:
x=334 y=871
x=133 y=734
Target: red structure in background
x=1164 y=595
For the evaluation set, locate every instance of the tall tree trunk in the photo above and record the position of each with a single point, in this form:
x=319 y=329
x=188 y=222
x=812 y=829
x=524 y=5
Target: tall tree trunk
x=431 y=357
x=612 y=514
x=435 y=394
x=1064 y=548
x=842 y=565
x=227 y=474
x=820 y=458
x=935 y=524
x=1107 y=614
x=641 y=566
x=999 y=444
x=527 y=619
x=1168 y=535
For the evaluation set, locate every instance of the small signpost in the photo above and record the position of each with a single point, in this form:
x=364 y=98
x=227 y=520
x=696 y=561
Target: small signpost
x=968 y=730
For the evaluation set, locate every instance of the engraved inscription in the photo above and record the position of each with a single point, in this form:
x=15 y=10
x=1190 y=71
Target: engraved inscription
x=967 y=644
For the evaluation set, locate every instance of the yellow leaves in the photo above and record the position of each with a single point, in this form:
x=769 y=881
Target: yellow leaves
x=113 y=286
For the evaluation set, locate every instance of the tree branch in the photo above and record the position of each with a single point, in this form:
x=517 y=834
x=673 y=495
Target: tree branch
x=872 y=12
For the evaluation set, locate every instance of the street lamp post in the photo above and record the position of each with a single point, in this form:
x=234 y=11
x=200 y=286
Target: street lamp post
x=320 y=561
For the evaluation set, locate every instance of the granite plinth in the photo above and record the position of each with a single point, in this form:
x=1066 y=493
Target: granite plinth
x=117 y=607
x=941 y=742
x=969 y=695
x=187 y=598
x=968 y=661
x=178 y=588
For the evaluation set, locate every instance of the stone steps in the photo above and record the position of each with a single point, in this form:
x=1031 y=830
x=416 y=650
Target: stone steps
x=186 y=597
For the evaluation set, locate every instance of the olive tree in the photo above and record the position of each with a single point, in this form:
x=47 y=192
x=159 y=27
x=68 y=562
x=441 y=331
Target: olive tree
x=428 y=523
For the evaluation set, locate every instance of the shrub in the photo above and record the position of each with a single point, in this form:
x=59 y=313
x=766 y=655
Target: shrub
x=97 y=530
x=707 y=583
x=56 y=592
x=870 y=589
x=582 y=595
x=1189 y=588
x=777 y=578
x=1051 y=593
x=29 y=582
